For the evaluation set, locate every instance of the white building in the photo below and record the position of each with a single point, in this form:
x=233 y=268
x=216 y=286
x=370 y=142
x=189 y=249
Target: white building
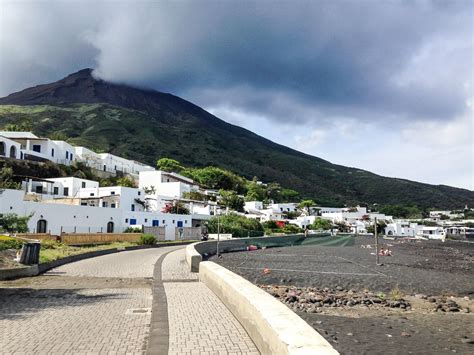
x=41 y=149
x=284 y=207
x=253 y=206
x=110 y=163
x=56 y=218
x=10 y=148
x=403 y=229
x=432 y=232
x=169 y=185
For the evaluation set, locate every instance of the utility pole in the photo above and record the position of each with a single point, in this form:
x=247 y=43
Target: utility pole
x=218 y=234
x=376 y=242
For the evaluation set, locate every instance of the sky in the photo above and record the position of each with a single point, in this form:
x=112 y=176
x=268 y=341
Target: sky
x=385 y=86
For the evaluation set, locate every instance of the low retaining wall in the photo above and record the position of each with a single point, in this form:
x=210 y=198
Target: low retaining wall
x=15 y=273
x=273 y=327
x=198 y=252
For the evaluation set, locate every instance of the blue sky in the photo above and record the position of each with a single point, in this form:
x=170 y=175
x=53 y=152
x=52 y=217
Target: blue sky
x=380 y=85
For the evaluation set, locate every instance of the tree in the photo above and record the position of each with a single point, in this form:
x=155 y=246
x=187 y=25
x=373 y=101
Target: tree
x=273 y=191
x=176 y=208
x=238 y=225
x=195 y=195
x=291 y=229
x=217 y=178
x=6 y=179
x=288 y=195
x=255 y=191
x=306 y=205
x=12 y=223
x=169 y=165
x=125 y=182
x=380 y=227
x=231 y=200
x=321 y=224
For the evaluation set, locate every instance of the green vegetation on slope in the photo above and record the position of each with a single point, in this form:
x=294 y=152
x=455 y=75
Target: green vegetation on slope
x=197 y=139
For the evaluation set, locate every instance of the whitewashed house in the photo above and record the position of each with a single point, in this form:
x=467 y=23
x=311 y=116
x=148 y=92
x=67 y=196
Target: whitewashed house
x=41 y=149
x=10 y=148
x=432 y=232
x=403 y=229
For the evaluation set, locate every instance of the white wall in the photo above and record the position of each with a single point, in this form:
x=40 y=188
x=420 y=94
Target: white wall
x=11 y=149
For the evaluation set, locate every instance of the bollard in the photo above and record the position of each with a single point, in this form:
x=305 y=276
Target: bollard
x=30 y=253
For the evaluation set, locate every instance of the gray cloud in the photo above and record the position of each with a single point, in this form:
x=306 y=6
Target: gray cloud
x=311 y=61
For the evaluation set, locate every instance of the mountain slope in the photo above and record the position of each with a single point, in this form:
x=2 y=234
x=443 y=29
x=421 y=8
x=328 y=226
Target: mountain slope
x=146 y=125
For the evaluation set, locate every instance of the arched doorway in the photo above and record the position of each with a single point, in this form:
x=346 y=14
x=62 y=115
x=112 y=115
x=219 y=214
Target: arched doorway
x=13 y=152
x=2 y=148
x=41 y=226
x=110 y=227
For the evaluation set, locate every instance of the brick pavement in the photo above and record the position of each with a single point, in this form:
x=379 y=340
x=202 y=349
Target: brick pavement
x=129 y=264
x=64 y=313
x=199 y=323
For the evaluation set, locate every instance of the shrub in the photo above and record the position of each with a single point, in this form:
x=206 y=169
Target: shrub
x=10 y=243
x=12 y=223
x=291 y=229
x=133 y=230
x=51 y=244
x=147 y=239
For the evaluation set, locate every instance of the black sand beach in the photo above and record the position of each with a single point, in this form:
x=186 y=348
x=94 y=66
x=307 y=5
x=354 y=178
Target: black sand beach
x=433 y=280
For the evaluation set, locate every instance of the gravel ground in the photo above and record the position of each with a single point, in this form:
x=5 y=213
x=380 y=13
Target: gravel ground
x=419 y=271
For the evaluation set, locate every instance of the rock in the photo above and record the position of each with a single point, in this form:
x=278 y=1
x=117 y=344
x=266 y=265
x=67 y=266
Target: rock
x=466 y=310
x=421 y=296
x=376 y=300
x=350 y=334
x=453 y=309
x=466 y=340
x=403 y=306
x=350 y=292
x=466 y=298
x=339 y=288
x=405 y=334
x=431 y=299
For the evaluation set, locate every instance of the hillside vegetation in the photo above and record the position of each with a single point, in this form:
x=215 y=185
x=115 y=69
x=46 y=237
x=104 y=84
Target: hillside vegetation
x=145 y=125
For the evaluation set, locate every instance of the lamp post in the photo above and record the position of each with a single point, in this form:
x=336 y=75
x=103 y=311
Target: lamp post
x=218 y=234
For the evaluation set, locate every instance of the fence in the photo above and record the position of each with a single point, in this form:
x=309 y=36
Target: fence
x=94 y=238
x=37 y=236
x=187 y=233
x=158 y=232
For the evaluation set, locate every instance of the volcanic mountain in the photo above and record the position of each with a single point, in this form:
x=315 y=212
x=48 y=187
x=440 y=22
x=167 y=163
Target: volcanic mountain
x=146 y=125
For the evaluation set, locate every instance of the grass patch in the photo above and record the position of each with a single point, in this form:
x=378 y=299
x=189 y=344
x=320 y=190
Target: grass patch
x=396 y=294
x=51 y=251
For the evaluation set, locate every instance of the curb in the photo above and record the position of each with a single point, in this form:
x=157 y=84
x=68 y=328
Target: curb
x=274 y=328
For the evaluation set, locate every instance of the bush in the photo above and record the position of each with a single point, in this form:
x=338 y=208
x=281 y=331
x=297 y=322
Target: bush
x=12 y=223
x=147 y=239
x=239 y=226
x=133 y=230
x=291 y=229
x=9 y=243
x=51 y=244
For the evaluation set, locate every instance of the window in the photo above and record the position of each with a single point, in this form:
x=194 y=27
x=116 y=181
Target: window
x=115 y=167
x=105 y=167
x=83 y=203
x=126 y=220
x=70 y=157
x=281 y=209
x=185 y=222
x=112 y=192
x=91 y=194
x=105 y=204
x=36 y=148
x=180 y=224
x=67 y=155
x=52 y=152
x=133 y=207
x=39 y=189
x=146 y=220
x=173 y=221
x=55 y=190
x=83 y=184
x=133 y=221
x=112 y=205
x=139 y=193
x=155 y=223
x=163 y=221
x=66 y=191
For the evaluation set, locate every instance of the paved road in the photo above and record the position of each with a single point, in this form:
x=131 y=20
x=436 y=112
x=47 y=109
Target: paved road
x=99 y=305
